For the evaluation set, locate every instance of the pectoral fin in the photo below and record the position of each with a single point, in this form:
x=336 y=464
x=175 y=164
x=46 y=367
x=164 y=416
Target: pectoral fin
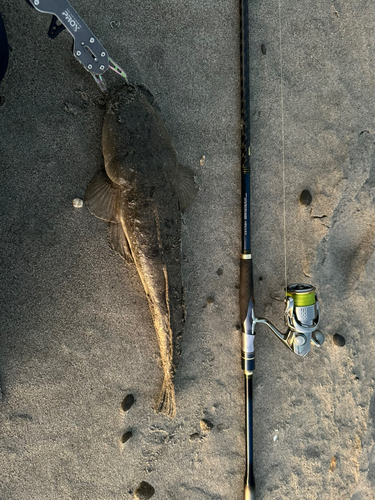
x=119 y=242
x=101 y=197
x=185 y=187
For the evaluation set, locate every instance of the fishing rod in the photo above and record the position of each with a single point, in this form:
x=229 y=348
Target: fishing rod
x=302 y=312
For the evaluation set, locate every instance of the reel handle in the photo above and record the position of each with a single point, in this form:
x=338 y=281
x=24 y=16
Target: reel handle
x=302 y=315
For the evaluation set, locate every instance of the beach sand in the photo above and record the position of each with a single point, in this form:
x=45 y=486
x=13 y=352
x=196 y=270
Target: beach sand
x=76 y=333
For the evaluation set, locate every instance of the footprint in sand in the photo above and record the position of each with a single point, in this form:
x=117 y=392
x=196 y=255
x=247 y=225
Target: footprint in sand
x=206 y=427
x=194 y=437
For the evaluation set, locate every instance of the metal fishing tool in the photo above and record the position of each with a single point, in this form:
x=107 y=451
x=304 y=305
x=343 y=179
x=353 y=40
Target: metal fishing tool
x=87 y=49
x=301 y=303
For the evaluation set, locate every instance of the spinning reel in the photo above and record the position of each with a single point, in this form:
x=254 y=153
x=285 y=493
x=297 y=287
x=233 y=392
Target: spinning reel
x=302 y=318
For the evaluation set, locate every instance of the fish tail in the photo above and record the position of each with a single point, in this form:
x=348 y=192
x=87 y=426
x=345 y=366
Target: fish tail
x=167 y=402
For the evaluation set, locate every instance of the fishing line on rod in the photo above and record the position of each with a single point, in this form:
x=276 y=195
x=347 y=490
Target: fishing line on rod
x=283 y=144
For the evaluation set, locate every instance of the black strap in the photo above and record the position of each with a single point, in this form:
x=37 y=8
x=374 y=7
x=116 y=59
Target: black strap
x=4 y=50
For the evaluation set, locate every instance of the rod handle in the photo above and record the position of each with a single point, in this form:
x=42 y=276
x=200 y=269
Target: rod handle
x=249 y=492
x=246 y=287
x=246 y=315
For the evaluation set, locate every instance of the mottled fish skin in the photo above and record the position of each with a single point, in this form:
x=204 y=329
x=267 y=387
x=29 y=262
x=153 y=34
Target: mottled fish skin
x=138 y=194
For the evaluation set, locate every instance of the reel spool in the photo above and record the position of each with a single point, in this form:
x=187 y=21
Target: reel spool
x=302 y=316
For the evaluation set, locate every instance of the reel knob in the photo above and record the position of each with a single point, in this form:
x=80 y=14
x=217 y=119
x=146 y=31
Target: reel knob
x=317 y=338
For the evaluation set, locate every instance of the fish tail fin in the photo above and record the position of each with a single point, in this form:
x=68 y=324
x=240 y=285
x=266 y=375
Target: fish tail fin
x=167 y=402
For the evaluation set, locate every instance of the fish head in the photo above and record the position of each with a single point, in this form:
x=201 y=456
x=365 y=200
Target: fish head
x=135 y=140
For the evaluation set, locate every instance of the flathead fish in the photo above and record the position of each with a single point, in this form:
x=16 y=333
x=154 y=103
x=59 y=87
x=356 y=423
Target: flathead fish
x=141 y=193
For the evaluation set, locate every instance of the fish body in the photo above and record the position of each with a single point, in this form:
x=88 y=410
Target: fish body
x=141 y=194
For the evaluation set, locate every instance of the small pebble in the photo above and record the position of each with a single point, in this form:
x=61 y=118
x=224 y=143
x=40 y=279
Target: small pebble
x=206 y=425
x=305 y=198
x=125 y=437
x=333 y=465
x=210 y=300
x=202 y=160
x=219 y=272
x=128 y=402
x=263 y=49
x=114 y=24
x=339 y=340
x=275 y=437
x=77 y=203
x=144 y=491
